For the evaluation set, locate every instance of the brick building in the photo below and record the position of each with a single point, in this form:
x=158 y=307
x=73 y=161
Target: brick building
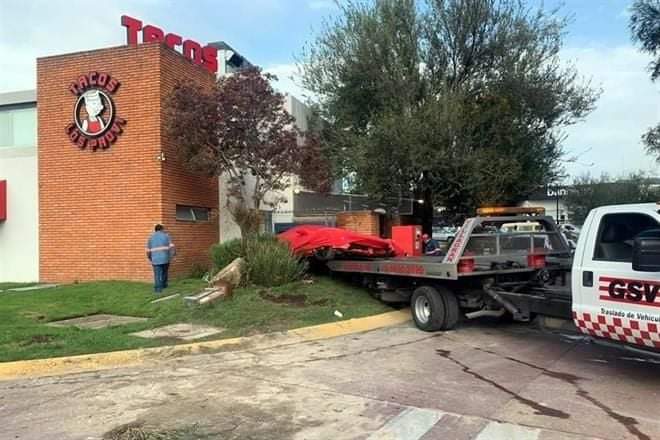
x=96 y=205
x=87 y=169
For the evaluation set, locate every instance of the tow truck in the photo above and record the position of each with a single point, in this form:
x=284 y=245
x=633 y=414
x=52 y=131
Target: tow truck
x=609 y=286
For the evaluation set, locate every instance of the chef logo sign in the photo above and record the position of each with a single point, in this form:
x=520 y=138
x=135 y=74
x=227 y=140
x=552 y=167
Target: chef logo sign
x=95 y=121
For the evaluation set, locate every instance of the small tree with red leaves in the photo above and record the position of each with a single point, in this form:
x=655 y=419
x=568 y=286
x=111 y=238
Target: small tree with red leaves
x=239 y=130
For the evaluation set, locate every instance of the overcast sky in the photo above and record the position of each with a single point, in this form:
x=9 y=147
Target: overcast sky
x=271 y=33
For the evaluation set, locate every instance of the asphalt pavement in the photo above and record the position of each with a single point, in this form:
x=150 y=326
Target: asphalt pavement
x=482 y=381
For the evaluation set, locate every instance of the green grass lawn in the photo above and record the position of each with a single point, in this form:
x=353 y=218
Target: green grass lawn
x=23 y=315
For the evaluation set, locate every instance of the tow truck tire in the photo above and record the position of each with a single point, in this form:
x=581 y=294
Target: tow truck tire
x=452 y=309
x=428 y=309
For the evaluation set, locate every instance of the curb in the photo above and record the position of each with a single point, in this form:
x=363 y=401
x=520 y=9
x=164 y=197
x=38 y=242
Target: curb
x=102 y=361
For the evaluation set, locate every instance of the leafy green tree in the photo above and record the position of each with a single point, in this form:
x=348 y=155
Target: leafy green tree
x=588 y=193
x=460 y=102
x=645 y=28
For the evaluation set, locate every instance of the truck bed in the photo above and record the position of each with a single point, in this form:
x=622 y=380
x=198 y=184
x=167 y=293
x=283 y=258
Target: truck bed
x=424 y=267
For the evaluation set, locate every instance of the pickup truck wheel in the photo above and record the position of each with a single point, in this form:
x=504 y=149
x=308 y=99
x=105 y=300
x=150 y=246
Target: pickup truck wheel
x=428 y=309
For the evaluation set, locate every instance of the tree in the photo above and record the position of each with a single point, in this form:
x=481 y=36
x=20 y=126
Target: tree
x=645 y=28
x=239 y=129
x=460 y=102
x=588 y=193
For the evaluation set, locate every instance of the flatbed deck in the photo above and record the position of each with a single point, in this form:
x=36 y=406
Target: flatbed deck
x=424 y=267
x=481 y=243
x=488 y=270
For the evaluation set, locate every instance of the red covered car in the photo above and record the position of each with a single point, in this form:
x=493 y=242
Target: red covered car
x=325 y=242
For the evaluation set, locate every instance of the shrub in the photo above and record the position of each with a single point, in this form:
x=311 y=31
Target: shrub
x=268 y=262
x=198 y=271
x=224 y=253
x=271 y=263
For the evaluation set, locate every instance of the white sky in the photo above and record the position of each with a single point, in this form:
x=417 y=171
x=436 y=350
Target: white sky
x=628 y=106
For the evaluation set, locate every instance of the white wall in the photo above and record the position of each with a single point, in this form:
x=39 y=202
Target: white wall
x=19 y=234
x=298 y=110
x=283 y=212
x=228 y=228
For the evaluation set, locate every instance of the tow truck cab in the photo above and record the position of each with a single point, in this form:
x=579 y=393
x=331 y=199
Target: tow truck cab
x=616 y=275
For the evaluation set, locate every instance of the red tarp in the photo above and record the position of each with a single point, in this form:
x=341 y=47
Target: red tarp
x=304 y=240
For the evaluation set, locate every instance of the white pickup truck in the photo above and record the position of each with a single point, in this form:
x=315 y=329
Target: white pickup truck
x=616 y=275
x=609 y=286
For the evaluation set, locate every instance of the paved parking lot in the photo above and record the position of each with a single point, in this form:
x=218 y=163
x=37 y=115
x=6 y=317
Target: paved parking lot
x=482 y=381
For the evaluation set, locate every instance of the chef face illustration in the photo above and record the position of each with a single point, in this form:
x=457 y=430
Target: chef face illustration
x=94 y=122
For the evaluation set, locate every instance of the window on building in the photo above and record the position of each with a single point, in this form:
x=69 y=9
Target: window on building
x=192 y=213
x=18 y=127
x=616 y=234
x=201 y=214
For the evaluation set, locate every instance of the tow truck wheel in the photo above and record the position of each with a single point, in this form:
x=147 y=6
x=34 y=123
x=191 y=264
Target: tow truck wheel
x=452 y=309
x=434 y=308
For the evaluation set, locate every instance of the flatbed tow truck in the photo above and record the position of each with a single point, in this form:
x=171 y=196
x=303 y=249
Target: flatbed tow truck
x=609 y=286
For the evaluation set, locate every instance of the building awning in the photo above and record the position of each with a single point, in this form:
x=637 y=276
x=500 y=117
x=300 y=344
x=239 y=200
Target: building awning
x=3 y=200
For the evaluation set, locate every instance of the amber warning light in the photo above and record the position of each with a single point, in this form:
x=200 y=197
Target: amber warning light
x=509 y=210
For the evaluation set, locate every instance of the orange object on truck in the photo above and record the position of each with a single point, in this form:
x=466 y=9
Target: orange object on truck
x=409 y=239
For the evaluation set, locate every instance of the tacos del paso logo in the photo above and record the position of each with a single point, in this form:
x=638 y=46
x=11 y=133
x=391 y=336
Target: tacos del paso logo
x=95 y=121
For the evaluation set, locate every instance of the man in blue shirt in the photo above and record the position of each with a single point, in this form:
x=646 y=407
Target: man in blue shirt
x=431 y=245
x=160 y=251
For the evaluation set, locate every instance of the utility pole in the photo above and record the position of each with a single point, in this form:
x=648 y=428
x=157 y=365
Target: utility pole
x=557 y=200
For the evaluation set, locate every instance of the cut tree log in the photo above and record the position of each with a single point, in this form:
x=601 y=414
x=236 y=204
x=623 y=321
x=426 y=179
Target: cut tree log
x=221 y=285
x=230 y=274
x=165 y=298
x=223 y=290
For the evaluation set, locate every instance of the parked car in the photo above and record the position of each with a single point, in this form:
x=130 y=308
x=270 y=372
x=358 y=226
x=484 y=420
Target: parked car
x=521 y=227
x=569 y=227
x=571 y=232
x=444 y=233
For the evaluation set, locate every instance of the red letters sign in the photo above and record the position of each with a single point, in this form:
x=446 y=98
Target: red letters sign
x=639 y=292
x=95 y=121
x=206 y=56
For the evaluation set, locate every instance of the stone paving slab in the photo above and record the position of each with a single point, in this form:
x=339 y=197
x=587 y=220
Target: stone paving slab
x=164 y=298
x=186 y=332
x=30 y=288
x=94 y=322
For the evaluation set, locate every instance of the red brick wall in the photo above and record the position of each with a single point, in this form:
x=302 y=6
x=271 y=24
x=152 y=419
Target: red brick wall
x=193 y=240
x=364 y=222
x=97 y=209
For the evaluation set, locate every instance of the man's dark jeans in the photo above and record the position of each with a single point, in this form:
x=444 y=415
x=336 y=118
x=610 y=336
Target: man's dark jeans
x=160 y=277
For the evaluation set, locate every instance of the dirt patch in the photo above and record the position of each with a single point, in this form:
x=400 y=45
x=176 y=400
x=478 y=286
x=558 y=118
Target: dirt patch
x=288 y=299
x=140 y=431
x=291 y=299
x=38 y=339
x=221 y=418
